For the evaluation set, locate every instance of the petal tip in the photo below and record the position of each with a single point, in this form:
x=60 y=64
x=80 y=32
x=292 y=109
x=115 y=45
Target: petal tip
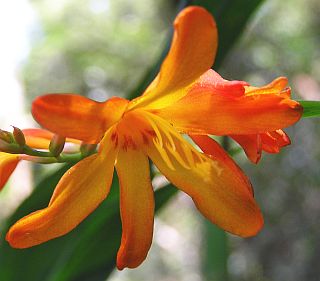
x=196 y=14
x=16 y=239
x=123 y=262
x=255 y=226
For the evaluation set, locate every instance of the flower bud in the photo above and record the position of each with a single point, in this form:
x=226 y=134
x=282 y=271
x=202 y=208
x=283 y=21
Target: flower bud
x=19 y=136
x=6 y=136
x=56 y=145
x=87 y=149
x=9 y=147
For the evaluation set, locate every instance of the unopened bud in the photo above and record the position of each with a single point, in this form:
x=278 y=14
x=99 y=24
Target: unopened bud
x=6 y=136
x=9 y=147
x=87 y=149
x=19 y=136
x=57 y=144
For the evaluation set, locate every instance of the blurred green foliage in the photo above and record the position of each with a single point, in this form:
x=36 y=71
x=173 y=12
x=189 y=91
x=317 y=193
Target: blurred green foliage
x=93 y=47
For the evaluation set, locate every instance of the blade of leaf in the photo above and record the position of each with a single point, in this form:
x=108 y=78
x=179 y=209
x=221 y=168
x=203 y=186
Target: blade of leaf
x=310 y=108
x=215 y=245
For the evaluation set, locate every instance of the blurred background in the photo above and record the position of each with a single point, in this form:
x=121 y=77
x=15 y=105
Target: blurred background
x=102 y=48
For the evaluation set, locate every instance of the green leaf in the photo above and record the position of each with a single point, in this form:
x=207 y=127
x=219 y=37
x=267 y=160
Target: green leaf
x=215 y=250
x=310 y=108
x=86 y=253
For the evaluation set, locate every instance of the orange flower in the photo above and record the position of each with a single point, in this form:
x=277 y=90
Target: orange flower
x=181 y=100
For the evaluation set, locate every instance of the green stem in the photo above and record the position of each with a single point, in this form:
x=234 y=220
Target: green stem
x=33 y=152
x=71 y=158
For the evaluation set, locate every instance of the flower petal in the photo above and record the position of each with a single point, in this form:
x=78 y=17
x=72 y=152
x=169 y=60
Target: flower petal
x=272 y=142
x=78 y=193
x=77 y=117
x=213 y=81
x=136 y=206
x=251 y=145
x=192 y=52
x=206 y=111
x=8 y=163
x=277 y=86
x=213 y=149
x=37 y=138
x=219 y=191
x=40 y=139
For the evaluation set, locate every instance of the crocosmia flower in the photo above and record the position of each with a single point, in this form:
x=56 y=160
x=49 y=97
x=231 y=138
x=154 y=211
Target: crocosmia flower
x=187 y=98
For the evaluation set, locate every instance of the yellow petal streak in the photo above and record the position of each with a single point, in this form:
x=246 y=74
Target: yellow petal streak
x=215 y=186
x=136 y=206
x=215 y=151
x=78 y=193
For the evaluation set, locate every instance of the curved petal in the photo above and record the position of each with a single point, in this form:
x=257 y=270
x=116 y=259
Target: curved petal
x=211 y=80
x=206 y=111
x=77 y=117
x=8 y=163
x=192 y=52
x=272 y=142
x=78 y=193
x=277 y=86
x=136 y=206
x=220 y=193
x=251 y=145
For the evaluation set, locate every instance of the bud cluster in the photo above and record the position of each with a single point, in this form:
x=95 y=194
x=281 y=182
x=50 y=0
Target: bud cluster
x=16 y=143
